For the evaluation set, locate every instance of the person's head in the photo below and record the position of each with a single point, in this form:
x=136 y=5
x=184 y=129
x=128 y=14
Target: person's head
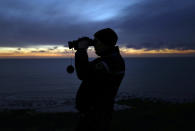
x=105 y=39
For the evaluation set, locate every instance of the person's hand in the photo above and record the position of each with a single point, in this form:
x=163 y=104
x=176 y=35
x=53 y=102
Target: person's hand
x=83 y=43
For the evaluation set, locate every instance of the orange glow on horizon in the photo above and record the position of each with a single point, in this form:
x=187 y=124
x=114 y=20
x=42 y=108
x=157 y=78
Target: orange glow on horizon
x=65 y=52
x=160 y=52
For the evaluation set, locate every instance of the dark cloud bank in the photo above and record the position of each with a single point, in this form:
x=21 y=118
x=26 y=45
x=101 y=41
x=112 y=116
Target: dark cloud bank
x=148 y=24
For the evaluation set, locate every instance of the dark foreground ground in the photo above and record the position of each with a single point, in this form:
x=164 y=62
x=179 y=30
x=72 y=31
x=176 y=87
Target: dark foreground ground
x=145 y=115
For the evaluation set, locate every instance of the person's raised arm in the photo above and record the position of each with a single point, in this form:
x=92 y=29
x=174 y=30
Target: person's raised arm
x=81 y=59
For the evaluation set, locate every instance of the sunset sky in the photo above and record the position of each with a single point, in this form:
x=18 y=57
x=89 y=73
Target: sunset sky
x=41 y=28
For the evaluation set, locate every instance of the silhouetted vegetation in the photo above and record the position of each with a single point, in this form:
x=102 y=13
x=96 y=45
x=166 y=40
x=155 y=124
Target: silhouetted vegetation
x=154 y=115
x=144 y=115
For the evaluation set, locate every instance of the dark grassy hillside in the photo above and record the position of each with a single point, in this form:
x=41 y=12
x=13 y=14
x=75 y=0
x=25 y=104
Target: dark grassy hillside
x=145 y=115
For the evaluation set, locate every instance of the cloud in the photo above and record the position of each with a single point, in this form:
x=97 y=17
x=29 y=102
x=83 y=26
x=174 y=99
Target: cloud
x=53 y=48
x=148 y=24
x=161 y=23
x=27 y=23
x=161 y=45
x=40 y=51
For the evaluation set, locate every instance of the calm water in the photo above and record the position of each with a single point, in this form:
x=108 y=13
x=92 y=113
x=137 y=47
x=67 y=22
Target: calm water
x=47 y=79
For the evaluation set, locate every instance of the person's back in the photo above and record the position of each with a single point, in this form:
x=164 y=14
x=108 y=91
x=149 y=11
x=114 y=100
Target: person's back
x=101 y=79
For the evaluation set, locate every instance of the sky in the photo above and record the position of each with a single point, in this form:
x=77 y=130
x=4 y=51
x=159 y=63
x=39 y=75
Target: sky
x=41 y=28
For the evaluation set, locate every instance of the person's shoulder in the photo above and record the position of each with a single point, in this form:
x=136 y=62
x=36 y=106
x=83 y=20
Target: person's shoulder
x=100 y=65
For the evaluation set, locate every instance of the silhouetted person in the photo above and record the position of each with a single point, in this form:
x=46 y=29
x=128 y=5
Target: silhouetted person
x=101 y=79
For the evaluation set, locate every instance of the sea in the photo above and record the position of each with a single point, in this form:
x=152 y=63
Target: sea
x=45 y=85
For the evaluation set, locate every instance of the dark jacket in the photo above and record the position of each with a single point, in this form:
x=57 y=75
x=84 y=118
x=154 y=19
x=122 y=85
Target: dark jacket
x=101 y=79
